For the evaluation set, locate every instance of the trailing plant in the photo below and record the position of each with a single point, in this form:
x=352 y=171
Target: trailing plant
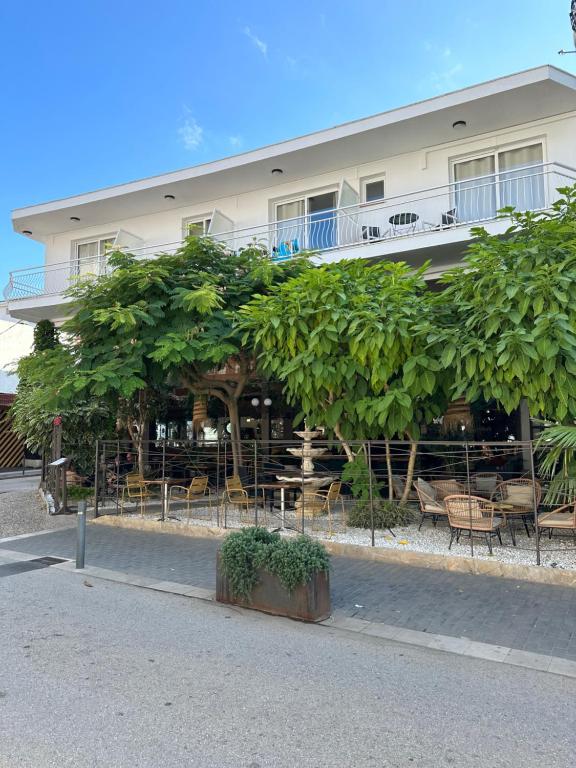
x=293 y=561
x=385 y=514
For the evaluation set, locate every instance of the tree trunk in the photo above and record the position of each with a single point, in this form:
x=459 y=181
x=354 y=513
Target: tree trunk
x=389 y=470
x=410 y=470
x=350 y=455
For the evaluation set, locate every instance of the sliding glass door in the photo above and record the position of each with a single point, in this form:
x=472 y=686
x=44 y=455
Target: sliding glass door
x=307 y=223
x=475 y=191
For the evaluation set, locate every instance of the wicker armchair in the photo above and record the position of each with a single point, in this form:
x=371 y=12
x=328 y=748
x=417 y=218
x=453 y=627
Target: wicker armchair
x=197 y=490
x=485 y=483
x=515 y=499
x=447 y=488
x=430 y=504
x=561 y=518
x=472 y=514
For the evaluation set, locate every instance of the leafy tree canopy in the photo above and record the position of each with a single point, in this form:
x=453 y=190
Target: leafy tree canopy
x=510 y=331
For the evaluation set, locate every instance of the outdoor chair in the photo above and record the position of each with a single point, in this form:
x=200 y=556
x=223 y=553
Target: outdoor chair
x=321 y=503
x=398 y=486
x=561 y=518
x=447 y=488
x=516 y=499
x=430 y=504
x=472 y=514
x=236 y=495
x=485 y=483
x=196 y=491
x=135 y=490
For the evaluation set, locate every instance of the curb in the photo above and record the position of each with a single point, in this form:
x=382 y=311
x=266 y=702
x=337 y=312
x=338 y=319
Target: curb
x=473 y=566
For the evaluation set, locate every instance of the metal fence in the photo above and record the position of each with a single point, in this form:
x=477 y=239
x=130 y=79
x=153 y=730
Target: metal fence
x=469 y=499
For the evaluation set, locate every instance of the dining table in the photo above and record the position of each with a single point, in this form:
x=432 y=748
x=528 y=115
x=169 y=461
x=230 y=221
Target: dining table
x=164 y=483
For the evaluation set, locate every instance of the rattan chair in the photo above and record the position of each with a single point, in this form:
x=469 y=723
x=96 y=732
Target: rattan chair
x=134 y=490
x=398 y=486
x=485 y=483
x=196 y=491
x=236 y=495
x=319 y=503
x=430 y=505
x=472 y=514
x=447 y=487
x=516 y=499
x=561 y=518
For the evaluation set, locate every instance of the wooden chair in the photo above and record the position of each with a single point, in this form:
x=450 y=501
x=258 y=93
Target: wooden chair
x=472 y=514
x=319 y=503
x=430 y=504
x=515 y=499
x=135 y=490
x=236 y=495
x=561 y=518
x=197 y=490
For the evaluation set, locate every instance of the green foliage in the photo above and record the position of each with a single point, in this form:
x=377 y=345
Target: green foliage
x=79 y=493
x=293 y=561
x=46 y=336
x=350 y=342
x=557 y=455
x=508 y=317
x=359 y=477
x=385 y=514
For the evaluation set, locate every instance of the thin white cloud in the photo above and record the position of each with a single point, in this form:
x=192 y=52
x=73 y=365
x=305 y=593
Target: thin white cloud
x=191 y=133
x=235 y=141
x=444 y=76
x=255 y=40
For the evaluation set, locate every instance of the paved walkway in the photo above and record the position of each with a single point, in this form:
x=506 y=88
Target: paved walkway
x=533 y=617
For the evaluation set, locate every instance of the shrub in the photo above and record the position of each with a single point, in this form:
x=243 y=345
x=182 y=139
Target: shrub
x=79 y=493
x=293 y=561
x=387 y=514
x=359 y=477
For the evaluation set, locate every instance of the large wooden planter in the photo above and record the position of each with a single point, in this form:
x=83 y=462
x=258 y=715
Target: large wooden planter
x=308 y=602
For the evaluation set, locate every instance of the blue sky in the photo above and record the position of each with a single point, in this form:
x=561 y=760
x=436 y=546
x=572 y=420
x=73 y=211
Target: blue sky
x=100 y=92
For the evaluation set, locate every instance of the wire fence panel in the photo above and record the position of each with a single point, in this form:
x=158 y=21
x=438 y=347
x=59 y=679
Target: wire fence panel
x=467 y=499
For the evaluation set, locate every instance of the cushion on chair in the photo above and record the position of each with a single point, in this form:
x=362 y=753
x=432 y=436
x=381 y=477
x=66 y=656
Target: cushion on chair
x=434 y=509
x=520 y=495
x=427 y=489
x=486 y=484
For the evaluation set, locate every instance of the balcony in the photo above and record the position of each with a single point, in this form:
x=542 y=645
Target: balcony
x=415 y=221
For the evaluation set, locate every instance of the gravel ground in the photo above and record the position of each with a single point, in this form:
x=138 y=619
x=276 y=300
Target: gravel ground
x=25 y=512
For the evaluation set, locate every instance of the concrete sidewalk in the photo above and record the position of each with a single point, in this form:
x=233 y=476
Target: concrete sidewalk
x=520 y=615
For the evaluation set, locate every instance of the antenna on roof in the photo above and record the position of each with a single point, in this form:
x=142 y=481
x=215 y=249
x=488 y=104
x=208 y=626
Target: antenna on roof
x=562 y=52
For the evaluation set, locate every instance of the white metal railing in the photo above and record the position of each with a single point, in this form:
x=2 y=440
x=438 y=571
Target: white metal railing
x=459 y=204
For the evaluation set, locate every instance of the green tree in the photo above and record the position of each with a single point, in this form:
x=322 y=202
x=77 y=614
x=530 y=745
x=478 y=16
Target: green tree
x=46 y=336
x=509 y=322
x=349 y=341
x=170 y=319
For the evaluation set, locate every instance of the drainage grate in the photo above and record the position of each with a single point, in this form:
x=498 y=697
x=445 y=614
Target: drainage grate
x=23 y=566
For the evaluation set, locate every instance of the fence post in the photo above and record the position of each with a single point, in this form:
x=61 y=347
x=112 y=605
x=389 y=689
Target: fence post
x=255 y=483
x=225 y=493
x=535 y=502
x=218 y=482
x=96 y=478
x=469 y=490
x=302 y=494
x=371 y=491
x=164 y=494
x=117 y=468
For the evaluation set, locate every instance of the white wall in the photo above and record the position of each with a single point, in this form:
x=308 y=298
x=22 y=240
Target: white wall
x=404 y=174
x=15 y=342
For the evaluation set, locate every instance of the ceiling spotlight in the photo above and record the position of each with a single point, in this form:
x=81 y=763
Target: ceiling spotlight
x=276 y=171
x=26 y=231
x=169 y=197
x=74 y=218
x=459 y=124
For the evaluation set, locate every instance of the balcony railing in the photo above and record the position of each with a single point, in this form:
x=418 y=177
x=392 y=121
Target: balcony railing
x=459 y=204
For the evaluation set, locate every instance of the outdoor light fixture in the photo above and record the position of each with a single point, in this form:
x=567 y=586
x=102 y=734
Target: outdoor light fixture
x=276 y=171
x=267 y=402
x=459 y=124
x=74 y=218
x=26 y=231
x=169 y=197
x=255 y=402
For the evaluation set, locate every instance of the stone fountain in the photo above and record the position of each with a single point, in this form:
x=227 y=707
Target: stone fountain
x=308 y=479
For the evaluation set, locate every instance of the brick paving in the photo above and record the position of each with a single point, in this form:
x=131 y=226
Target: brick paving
x=533 y=617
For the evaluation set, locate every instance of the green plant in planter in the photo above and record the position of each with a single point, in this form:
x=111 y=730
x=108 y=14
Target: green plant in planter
x=386 y=514
x=293 y=561
x=79 y=492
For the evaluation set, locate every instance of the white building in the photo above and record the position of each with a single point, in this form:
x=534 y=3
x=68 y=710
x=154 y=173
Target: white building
x=16 y=341
x=405 y=184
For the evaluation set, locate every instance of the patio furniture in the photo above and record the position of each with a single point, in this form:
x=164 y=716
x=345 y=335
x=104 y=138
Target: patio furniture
x=197 y=490
x=472 y=514
x=398 y=486
x=561 y=518
x=322 y=502
x=135 y=490
x=516 y=499
x=450 y=218
x=485 y=483
x=447 y=487
x=403 y=222
x=236 y=494
x=430 y=504
x=374 y=233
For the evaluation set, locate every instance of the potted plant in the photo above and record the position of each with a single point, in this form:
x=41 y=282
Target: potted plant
x=283 y=576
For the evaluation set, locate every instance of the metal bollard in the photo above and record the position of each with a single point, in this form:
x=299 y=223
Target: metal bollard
x=81 y=535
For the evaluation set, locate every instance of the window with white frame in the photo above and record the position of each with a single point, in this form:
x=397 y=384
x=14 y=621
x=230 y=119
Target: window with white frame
x=89 y=256
x=197 y=226
x=306 y=222
x=498 y=179
x=373 y=190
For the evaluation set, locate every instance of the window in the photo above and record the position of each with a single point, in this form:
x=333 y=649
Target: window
x=196 y=227
x=485 y=184
x=89 y=256
x=373 y=190
x=309 y=222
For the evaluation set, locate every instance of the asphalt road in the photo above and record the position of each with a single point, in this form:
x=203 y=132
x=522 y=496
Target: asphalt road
x=112 y=675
